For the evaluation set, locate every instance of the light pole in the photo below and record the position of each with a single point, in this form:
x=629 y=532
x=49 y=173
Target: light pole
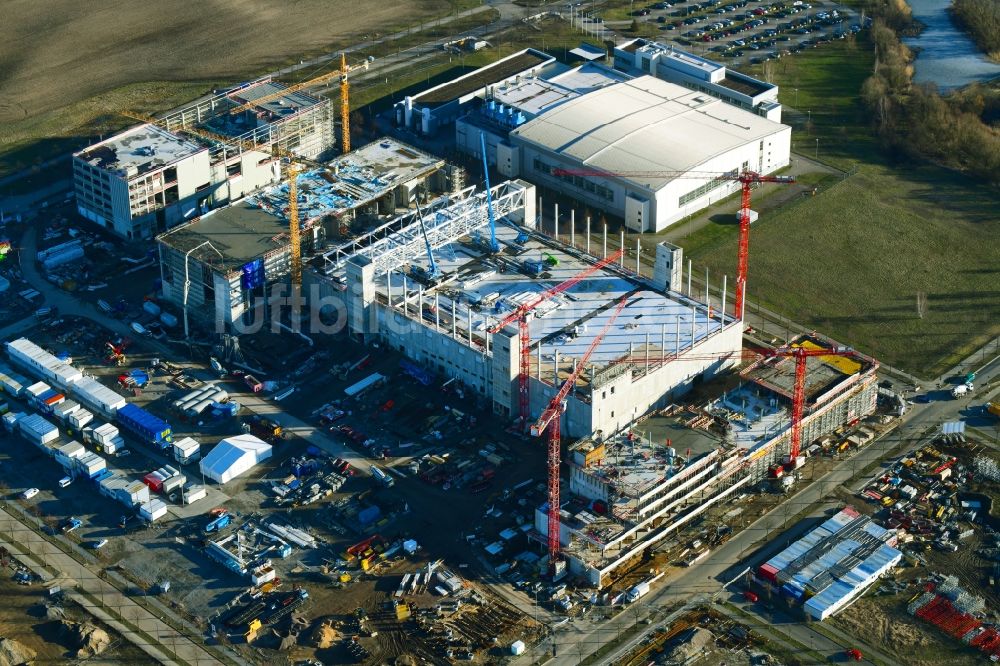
x=817 y=149
x=796 y=97
x=187 y=280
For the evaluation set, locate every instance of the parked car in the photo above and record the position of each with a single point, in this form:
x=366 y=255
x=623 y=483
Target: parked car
x=97 y=545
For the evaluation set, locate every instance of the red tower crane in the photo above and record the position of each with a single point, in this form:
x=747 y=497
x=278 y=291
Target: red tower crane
x=747 y=180
x=521 y=316
x=801 y=355
x=549 y=421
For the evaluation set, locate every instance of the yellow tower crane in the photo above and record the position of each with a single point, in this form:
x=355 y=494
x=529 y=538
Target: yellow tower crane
x=293 y=228
x=293 y=168
x=345 y=106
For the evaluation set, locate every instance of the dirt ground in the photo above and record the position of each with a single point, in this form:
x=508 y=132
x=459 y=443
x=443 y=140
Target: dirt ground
x=56 y=53
x=884 y=622
x=22 y=618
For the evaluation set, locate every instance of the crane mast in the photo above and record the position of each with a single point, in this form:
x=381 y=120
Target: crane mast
x=549 y=422
x=747 y=180
x=520 y=315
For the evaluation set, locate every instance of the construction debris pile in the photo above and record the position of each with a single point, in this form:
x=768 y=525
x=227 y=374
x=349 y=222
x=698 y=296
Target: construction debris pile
x=957 y=613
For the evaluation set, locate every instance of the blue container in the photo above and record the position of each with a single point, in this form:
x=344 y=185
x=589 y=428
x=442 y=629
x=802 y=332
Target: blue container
x=149 y=428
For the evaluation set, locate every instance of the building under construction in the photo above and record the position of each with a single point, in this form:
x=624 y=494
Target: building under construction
x=631 y=491
x=150 y=178
x=431 y=285
x=231 y=257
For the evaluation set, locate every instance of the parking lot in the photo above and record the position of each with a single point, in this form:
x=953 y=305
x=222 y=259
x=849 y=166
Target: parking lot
x=750 y=32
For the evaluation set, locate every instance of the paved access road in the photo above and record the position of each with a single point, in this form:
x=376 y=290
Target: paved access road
x=756 y=542
x=148 y=632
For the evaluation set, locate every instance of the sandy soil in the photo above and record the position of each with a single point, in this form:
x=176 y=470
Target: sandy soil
x=59 y=52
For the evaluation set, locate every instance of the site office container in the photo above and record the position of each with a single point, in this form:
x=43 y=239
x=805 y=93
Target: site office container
x=150 y=429
x=79 y=419
x=154 y=480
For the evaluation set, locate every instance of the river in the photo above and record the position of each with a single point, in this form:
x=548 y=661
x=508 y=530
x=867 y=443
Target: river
x=947 y=56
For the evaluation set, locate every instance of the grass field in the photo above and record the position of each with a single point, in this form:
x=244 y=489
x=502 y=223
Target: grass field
x=65 y=65
x=851 y=260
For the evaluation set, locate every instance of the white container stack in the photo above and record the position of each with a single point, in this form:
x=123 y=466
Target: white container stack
x=152 y=510
x=33 y=357
x=193 y=493
x=79 y=419
x=63 y=410
x=97 y=396
x=89 y=465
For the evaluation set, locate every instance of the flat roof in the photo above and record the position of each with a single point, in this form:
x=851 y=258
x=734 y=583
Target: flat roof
x=645 y=121
x=138 y=150
x=504 y=68
x=241 y=232
x=352 y=180
x=744 y=84
x=823 y=373
x=287 y=104
x=588 y=52
x=258 y=223
x=535 y=95
x=569 y=322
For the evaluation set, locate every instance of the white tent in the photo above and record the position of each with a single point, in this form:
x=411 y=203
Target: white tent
x=234 y=456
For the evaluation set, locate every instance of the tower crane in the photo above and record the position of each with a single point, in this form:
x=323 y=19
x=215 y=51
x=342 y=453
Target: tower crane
x=548 y=422
x=494 y=246
x=520 y=315
x=799 y=353
x=345 y=106
x=747 y=179
x=434 y=271
x=293 y=167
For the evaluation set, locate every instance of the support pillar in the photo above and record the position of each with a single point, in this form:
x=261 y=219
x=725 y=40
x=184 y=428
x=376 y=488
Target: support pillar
x=588 y=234
x=621 y=259
x=689 y=278
x=722 y=311
x=572 y=227
x=638 y=256
x=605 y=253
x=555 y=223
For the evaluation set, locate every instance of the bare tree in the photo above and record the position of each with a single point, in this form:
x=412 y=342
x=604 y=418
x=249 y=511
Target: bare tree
x=921 y=304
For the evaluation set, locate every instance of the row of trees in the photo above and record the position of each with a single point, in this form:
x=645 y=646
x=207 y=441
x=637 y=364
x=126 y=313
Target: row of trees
x=981 y=19
x=958 y=130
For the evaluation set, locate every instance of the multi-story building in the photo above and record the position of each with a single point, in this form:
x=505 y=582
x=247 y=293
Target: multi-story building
x=641 y=56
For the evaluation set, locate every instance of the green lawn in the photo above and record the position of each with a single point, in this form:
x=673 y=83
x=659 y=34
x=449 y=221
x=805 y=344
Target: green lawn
x=851 y=260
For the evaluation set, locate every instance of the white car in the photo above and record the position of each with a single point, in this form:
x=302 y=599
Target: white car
x=29 y=493
x=97 y=545
x=140 y=329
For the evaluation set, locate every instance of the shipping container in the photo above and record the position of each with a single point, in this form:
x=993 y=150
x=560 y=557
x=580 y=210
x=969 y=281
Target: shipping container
x=79 y=419
x=151 y=429
x=193 y=493
x=64 y=409
x=95 y=395
x=37 y=430
x=10 y=420
x=187 y=450
x=89 y=465
x=153 y=509
x=173 y=483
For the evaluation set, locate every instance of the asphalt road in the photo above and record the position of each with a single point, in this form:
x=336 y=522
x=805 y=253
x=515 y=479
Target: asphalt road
x=758 y=541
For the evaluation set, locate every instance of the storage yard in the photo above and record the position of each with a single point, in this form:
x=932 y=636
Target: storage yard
x=290 y=406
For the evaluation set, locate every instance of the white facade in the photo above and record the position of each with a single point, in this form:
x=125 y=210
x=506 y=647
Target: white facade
x=234 y=456
x=640 y=56
x=146 y=180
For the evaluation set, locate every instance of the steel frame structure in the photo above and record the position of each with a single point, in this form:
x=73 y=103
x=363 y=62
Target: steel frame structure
x=446 y=219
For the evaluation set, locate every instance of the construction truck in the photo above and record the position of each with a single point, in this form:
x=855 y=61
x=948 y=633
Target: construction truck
x=993 y=407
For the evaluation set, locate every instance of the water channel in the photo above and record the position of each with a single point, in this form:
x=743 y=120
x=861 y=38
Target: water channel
x=946 y=55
